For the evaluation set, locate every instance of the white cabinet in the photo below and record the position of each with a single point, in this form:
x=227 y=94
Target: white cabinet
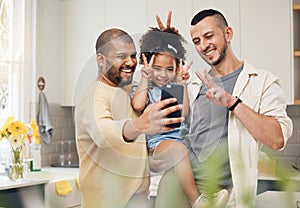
x=48 y=57
x=262 y=34
x=84 y=20
x=131 y=16
x=278 y=199
x=182 y=13
x=296 y=35
x=230 y=9
x=67 y=175
x=52 y=200
x=266 y=40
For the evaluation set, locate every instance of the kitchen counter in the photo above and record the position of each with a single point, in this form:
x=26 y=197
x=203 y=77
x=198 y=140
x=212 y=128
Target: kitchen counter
x=6 y=183
x=46 y=175
x=55 y=174
x=290 y=178
x=278 y=199
x=271 y=192
x=45 y=181
x=38 y=189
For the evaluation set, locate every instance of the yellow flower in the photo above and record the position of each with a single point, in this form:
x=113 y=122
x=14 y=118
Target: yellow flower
x=13 y=129
x=2 y=134
x=8 y=121
x=17 y=128
x=37 y=138
x=35 y=131
x=15 y=132
x=4 y=130
x=15 y=142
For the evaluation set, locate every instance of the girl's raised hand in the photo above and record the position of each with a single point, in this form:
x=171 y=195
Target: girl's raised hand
x=147 y=68
x=183 y=73
x=168 y=24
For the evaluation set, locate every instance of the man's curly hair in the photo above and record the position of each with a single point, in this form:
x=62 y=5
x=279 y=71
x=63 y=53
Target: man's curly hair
x=167 y=41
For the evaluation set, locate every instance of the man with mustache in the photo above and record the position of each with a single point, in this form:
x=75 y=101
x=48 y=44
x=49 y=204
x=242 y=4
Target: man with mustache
x=237 y=109
x=114 y=171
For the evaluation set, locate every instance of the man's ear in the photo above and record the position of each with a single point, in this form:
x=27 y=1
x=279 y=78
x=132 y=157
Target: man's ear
x=101 y=60
x=229 y=34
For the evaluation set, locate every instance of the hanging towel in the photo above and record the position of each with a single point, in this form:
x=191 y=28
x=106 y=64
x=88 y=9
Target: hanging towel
x=44 y=123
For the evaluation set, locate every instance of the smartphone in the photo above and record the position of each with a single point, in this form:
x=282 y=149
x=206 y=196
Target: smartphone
x=169 y=91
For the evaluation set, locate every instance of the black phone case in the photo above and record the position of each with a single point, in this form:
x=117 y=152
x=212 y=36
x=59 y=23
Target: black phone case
x=169 y=91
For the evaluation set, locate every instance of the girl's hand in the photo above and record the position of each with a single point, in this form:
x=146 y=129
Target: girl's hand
x=168 y=24
x=147 y=68
x=183 y=73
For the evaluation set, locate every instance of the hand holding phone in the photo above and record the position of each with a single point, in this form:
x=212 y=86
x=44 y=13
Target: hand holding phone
x=169 y=91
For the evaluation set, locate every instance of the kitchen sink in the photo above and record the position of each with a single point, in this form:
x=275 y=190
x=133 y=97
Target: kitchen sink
x=59 y=165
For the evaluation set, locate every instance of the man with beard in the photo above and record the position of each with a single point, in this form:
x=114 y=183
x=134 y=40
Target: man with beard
x=238 y=108
x=110 y=139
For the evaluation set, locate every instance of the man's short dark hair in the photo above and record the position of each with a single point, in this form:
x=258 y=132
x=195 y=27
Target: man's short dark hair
x=209 y=12
x=103 y=41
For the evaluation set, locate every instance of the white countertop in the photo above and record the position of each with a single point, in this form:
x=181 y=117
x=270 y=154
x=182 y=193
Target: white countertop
x=56 y=174
x=46 y=175
x=6 y=183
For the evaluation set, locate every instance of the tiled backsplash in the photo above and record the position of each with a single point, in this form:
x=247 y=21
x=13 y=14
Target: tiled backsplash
x=291 y=154
x=63 y=125
x=62 y=121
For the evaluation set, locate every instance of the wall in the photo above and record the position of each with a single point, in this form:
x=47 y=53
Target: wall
x=62 y=122
x=291 y=154
x=67 y=30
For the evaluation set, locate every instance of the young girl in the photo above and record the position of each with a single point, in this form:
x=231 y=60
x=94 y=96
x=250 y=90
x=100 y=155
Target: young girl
x=162 y=54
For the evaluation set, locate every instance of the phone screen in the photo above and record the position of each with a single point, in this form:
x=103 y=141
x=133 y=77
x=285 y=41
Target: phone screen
x=169 y=91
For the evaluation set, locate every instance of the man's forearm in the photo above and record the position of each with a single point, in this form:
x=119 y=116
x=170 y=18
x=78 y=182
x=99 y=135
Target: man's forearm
x=265 y=129
x=132 y=129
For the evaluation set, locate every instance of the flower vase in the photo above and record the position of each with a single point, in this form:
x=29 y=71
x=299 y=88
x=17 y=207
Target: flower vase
x=17 y=166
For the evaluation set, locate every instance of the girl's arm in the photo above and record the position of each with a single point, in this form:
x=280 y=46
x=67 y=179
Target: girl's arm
x=139 y=99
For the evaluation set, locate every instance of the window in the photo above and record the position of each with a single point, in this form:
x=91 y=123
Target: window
x=11 y=58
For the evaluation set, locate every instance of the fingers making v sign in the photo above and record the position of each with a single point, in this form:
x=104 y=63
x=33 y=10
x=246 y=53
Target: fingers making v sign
x=214 y=93
x=183 y=73
x=147 y=68
x=168 y=23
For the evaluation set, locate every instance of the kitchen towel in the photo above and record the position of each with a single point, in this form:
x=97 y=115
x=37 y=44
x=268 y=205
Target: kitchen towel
x=43 y=118
x=77 y=182
x=63 y=187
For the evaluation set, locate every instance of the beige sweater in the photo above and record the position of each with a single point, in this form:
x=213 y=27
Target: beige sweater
x=111 y=170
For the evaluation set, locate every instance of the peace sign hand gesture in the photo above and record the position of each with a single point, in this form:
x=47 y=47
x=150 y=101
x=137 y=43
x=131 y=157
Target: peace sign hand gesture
x=183 y=73
x=147 y=69
x=168 y=24
x=214 y=93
